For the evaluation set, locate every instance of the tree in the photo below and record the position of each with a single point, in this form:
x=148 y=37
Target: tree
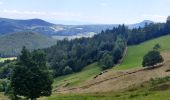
x=156 y=47
x=31 y=78
x=67 y=70
x=152 y=58
x=106 y=61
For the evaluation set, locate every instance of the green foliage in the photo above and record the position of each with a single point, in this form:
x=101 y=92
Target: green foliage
x=6 y=69
x=152 y=58
x=150 y=31
x=156 y=47
x=4 y=84
x=156 y=81
x=67 y=70
x=31 y=77
x=79 y=53
x=107 y=61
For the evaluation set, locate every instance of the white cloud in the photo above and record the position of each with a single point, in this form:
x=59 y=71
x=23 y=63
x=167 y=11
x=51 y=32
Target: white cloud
x=78 y=17
x=65 y=16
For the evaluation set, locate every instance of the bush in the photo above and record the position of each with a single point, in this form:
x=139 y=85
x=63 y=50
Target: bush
x=106 y=61
x=152 y=58
x=67 y=70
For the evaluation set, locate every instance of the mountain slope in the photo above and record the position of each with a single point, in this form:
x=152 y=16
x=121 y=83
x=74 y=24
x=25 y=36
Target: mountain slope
x=11 y=44
x=72 y=81
x=11 y=25
x=29 y=22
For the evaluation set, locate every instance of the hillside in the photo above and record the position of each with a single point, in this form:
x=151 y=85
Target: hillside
x=123 y=79
x=50 y=29
x=12 y=25
x=135 y=53
x=11 y=44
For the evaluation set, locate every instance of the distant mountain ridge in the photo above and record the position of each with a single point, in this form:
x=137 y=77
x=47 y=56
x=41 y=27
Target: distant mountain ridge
x=50 y=29
x=29 y=22
x=11 y=25
x=141 y=24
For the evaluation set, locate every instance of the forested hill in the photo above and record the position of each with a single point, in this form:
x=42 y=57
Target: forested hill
x=105 y=48
x=72 y=56
x=12 y=44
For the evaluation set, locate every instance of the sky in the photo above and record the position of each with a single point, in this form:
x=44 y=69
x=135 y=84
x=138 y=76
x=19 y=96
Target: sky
x=87 y=11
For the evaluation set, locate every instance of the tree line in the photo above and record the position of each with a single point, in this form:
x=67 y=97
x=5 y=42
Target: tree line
x=72 y=56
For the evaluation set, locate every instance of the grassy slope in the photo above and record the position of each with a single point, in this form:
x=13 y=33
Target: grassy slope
x=133 y=59
x=135 y=53
x=142 y=92
x=134 y=95
x=77 y=78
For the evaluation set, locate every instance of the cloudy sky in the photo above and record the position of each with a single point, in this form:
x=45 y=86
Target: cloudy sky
x=87 y=11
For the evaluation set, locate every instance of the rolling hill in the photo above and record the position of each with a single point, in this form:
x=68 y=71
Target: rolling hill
x=11 y=25
x=79 y=85
x=50 y=29
x=11 y=44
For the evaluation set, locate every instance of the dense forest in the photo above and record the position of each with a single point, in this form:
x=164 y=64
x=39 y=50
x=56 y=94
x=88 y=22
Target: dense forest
x=106 y=48
x=71 y=56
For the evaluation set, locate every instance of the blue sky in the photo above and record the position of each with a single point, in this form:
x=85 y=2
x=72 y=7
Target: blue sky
x=87 y=11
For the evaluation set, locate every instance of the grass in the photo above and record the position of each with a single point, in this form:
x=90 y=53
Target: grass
x=135 y=53
x=142 y=92
x=9 y=58
x=132 y=95
x=3 y=97
x=133 y=59
x=77 y=78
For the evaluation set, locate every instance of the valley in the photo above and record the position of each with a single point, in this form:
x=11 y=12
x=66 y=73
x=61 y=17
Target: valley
x=84 y=50
x=102 y=66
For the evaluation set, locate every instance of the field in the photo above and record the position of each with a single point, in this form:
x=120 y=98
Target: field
x=135 y=53
x=77 y=78
x=132 y=60
x=151 y=90
x=135 y=95
x=10 y=58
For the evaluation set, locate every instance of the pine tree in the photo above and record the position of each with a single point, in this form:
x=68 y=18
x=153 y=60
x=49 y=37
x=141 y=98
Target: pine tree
x=31 y=77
